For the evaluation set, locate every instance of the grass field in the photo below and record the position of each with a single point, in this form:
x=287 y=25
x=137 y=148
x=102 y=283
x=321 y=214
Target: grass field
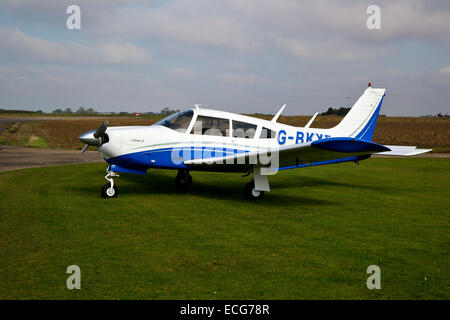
x=312 y=237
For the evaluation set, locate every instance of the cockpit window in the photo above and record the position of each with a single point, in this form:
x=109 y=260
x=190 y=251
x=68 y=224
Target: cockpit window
x=178 y=121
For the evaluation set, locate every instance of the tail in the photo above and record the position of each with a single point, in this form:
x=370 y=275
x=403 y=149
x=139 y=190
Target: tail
x=360 y=121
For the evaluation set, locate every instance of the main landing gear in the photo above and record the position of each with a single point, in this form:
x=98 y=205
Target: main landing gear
x=254 y=190
x=183 y=180
x=110 y=190
x=251 y=193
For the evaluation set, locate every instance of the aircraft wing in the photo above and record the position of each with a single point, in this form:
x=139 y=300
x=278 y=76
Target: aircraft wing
x=293 y=156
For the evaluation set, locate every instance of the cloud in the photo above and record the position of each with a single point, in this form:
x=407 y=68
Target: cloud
x=249 y=55
x=18 y=44
x=184 y=22
x=242 y=79
x=406 y=19
x=245 y=25
x=182 y=73
x=330 y=51
x=445 y=70
x=400 y=19
x=306 y=29
x=251 y=79
x=105 y=89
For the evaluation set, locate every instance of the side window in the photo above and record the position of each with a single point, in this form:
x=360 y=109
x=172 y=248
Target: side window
x=210 y=126
x=243 y=130
x=267 y=134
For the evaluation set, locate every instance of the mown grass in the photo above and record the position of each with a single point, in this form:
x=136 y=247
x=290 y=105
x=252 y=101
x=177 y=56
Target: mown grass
x=312 y=237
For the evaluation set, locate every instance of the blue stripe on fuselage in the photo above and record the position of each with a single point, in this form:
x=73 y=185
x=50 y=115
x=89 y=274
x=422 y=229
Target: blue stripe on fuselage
x=170 y=158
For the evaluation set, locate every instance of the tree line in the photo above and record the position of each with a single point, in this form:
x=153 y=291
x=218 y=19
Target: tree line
x=342 y=111
x=91 y=111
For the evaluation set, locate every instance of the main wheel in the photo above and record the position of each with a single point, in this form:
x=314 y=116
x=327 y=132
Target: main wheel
x=183 y=180
x=108 y=192
x=251 y=193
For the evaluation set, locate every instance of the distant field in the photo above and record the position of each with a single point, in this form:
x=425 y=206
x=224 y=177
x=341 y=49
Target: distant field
x=63 y=133
x=312 y=237
x=422 y=132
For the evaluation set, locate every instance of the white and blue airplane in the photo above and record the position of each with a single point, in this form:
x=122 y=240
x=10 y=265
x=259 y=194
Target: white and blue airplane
x=218 y=141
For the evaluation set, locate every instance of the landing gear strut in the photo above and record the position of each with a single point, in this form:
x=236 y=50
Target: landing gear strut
x=183 y=180
x=110 y=190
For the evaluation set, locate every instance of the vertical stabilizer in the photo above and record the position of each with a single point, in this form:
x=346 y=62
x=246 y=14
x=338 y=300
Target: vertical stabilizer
x=361 y=119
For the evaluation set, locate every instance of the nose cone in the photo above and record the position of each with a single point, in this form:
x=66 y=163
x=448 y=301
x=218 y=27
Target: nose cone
x=88 y=138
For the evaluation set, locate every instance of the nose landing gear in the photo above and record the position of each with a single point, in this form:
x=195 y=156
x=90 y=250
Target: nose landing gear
x=110 y=190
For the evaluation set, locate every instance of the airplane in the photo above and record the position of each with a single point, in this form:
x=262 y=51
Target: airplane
x=200 y=139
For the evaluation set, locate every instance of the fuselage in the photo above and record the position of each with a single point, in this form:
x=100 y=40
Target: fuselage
x=201 y=133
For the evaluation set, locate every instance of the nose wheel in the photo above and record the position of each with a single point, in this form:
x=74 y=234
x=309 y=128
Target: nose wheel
x=110 y=190
x=183 y=180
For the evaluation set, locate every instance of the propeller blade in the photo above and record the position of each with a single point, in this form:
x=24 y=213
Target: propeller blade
x=84 y=148
x=101 y=130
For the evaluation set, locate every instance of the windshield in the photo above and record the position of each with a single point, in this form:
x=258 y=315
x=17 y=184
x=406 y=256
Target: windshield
x=178 y=121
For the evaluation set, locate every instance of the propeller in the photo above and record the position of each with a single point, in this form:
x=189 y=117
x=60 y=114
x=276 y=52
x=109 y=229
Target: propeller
x=84 y=148
x=96 y=138
x=101 y=130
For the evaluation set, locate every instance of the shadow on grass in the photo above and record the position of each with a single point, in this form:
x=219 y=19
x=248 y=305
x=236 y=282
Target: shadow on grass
x=308 y=181
x=162 y=183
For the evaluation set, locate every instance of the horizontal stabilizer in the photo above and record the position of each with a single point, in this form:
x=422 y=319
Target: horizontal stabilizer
x=403 y=151
x=349 y=145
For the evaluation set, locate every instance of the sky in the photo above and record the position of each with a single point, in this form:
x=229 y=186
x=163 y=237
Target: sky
x=244 y=56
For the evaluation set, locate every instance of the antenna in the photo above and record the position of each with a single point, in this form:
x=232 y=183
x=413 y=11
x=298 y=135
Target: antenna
x=275 y=118
x=311 y=121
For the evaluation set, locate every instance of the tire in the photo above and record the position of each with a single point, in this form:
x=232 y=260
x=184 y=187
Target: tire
x=251 y=193
x=183 y=180
x=108 y=193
